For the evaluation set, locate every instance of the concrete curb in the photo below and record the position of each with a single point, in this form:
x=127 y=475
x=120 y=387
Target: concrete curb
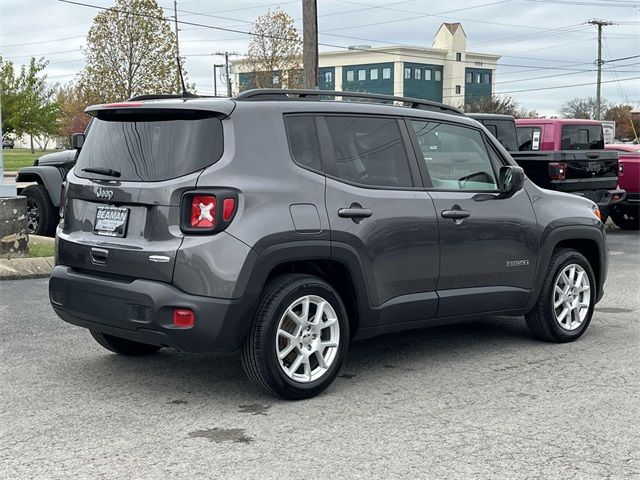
x=23 y=268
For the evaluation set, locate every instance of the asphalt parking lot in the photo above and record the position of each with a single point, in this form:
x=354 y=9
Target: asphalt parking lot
x=481 y=400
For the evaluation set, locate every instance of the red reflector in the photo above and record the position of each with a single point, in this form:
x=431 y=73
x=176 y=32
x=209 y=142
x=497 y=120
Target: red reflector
x=203 y=211
x=183 y=318
x=228 y=209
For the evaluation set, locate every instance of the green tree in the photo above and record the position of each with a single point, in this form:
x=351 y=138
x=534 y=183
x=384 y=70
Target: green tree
x=274 y=55
x=28 y=105
x=626 y=127
x=583 y=108
x=131 y=50
x=499 y=105
x=72 y=102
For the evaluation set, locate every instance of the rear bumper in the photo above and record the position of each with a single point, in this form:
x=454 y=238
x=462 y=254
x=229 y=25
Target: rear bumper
x=603 y=198
x=631 y=200
x=142 y=311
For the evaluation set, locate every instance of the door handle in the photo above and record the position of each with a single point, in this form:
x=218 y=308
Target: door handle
x=355 y=212
x=99 y=256
x=456 y=213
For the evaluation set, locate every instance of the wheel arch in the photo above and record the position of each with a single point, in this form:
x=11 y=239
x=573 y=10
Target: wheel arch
x=314 y=258
x=590 y=241
x=47 y=176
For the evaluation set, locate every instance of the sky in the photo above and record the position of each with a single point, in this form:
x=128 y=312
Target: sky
x=548 y=50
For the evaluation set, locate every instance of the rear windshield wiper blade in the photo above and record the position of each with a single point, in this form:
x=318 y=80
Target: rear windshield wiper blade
x=102 y=171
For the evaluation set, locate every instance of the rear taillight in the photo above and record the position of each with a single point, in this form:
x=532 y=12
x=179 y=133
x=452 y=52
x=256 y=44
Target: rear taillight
x=557 y=171
x=203 y=211
x=63 y=200
x=208 y=211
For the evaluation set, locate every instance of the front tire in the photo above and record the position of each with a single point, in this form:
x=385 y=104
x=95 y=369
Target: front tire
x=298 y=339
x=567 y=298
x=123 y=346
x=42 y=216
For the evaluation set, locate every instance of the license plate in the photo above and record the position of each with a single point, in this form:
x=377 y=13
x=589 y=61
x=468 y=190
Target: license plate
x=111 y=221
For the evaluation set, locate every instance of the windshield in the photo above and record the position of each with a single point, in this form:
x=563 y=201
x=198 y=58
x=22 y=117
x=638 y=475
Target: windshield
x=149 y=147
x=582 y=137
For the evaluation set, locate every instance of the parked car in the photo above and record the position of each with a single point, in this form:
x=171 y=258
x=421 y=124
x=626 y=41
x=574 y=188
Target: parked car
x=553 y=156
x=291 y=226
x=626 y=214
x=43 y=196
x=8 y=142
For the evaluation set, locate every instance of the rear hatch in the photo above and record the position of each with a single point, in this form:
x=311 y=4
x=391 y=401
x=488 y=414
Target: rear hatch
x=582 y=169
x=122 y=214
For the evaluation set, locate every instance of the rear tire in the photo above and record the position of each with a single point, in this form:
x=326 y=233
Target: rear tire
x=42 y=216
x=626 y=218
x=548 y=320
x=291 y=350
x=123 y=346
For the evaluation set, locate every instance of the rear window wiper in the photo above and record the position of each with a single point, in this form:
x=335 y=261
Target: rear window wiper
x=102 y=171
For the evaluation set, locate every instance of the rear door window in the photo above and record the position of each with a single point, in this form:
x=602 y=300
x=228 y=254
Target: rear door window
x=504 y=131
x=528 y=138
x=303 y=140
x=582 y=137
x=369 y=151
x=455 y=157
x=151 y=146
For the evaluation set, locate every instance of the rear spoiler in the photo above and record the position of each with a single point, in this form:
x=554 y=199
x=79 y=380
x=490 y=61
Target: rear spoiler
x=171 y=107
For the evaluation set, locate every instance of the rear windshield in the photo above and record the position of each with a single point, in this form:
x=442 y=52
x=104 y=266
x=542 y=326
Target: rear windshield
x=582 y=137
x=150 y=148
x=504 y=131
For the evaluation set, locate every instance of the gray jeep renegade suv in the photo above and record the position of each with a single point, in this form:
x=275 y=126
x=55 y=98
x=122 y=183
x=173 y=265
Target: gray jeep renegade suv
x=286 y=225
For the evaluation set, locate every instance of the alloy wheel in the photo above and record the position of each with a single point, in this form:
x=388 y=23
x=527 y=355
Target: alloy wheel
x=33 y=215
x=307 y=339
x=571 y=297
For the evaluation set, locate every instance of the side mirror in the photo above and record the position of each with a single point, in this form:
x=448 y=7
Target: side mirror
x=77 y=141
x=511 y=180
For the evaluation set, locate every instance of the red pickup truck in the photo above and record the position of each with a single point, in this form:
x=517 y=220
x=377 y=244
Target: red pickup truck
x=574 y=158
x=626 y=214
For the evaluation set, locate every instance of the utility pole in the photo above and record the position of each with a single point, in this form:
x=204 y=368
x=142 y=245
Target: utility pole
x=310 y=43
x=600 y=24
x=215 y=77
x=226 y=56
x=175 y=18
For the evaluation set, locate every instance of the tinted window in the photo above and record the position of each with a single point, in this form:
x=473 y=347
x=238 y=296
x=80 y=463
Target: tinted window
x=369 y=151
x=528 y=138
x=504 y=131
x=456 y=157
x=582 y=137
x=303 y=140
x=144 y=148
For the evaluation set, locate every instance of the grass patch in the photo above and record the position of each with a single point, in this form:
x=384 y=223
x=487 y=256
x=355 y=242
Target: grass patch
x=16 y=158
x=40 y=249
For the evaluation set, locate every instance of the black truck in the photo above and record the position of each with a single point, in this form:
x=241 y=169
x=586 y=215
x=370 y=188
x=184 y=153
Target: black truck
x=561 y=154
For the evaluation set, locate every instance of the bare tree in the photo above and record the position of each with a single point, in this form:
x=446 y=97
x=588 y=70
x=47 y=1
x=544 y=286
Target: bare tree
x=274 y=56
x=583 y=108
x=499 y=105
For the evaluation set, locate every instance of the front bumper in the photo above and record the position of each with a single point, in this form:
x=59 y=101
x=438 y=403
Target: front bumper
x=142 y=311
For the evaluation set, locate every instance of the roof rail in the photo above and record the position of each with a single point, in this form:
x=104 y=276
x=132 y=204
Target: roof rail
x=266 y=94
x=160 y=96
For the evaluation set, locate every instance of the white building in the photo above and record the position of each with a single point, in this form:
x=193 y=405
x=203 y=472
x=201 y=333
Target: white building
x=447 y=72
